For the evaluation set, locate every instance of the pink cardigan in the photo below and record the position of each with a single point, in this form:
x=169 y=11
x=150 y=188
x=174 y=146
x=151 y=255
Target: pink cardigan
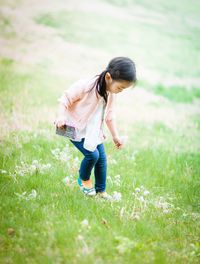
x=81 y=102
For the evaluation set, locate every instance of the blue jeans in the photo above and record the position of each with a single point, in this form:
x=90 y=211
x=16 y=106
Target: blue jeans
x=93 y=159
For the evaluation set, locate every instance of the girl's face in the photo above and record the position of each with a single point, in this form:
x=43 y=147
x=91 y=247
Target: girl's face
x=113 y=86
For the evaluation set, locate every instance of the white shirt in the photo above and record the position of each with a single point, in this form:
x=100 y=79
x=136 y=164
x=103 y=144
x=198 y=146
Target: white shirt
x=93 y=132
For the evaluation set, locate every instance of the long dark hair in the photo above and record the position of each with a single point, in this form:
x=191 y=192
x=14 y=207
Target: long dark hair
x=120 y=69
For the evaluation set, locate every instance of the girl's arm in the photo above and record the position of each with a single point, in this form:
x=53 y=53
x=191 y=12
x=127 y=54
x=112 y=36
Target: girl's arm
x=110 y=115
x=110 y=121
x=71 y=95
x=61 y=117
x=112 y=128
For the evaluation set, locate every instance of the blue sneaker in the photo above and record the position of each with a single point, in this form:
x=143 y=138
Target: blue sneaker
x=79 y=182
x=86 y=191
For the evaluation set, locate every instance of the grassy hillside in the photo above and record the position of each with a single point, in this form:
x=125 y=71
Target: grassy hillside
x=154 y=180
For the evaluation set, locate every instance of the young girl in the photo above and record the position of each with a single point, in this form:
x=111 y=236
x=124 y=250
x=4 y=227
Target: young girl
x=83 y=108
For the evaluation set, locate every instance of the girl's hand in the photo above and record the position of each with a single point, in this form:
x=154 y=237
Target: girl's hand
x=118 y=142
x=60 y=121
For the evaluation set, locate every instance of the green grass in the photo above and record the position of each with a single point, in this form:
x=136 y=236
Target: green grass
x=176 y=93
x=47 y=227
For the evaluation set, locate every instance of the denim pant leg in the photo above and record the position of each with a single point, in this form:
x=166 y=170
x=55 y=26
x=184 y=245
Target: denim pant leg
x=88 y=162
x=100 y=170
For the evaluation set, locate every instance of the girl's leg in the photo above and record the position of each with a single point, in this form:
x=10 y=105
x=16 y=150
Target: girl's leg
x=88 y=162
x=100 y=170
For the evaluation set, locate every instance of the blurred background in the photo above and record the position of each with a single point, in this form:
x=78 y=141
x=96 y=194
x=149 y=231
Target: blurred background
x=47 y=45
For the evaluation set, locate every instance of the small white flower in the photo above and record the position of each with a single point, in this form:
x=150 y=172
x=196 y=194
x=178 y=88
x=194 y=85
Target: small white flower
x=158 y=204
x=21 y=195
x=85 y=223
x=66 y=180
x=3 y=171
x=32 y=195
x=35 y=162
x=166 y=211
x=26 y=196
x=33 y=167
x=141 y=199
x=137 y=190
x=80 y=238
x=117 y=196
x=146 y=193
x=76 y=159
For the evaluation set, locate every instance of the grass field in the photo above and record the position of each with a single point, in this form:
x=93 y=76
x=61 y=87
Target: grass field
x=154 y=216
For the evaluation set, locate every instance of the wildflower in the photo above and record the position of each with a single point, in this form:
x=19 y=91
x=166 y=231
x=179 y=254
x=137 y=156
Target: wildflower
x=35 y=162
x=141 y=199
x=66 y=180
x=76 y=160
x=69 y=180
x=80 y=238
x=117 y=196
x=137 y=190
x=48 y=165
x=117 y=176
x=163 y=205
x=85 y=224
x=3 y=171
x=145 y=193
x=124 y=244
x=32 y=195
x=25 y=196
x=62 y=155
x=21 y=173
x=24 y=168
x=166 y=211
